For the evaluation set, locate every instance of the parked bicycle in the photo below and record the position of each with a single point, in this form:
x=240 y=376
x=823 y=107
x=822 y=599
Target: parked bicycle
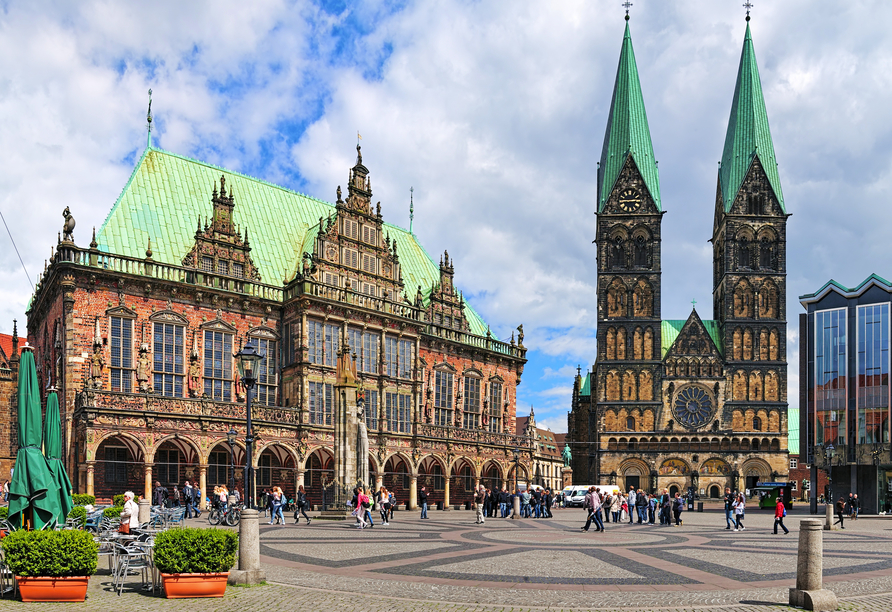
x=230 y=516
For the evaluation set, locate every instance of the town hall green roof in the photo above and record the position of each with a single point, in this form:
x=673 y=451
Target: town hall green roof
x=748 y=135
x=168 y=193
x=627 y=131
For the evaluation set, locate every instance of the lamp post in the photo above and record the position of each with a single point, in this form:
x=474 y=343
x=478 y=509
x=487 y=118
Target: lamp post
x=230 y=437
x=516 y=508
x=248 y=360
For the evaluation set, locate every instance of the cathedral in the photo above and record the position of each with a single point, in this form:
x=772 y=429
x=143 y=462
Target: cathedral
x=689 y=404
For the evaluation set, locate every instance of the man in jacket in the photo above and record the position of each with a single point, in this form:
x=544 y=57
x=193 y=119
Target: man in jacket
x=422 y=499
x=187 y=498
x=479 y=498
x=631 y=501
x=729 y=510
x=503 y=502
x=779 y=512
x=159 y=495
x=840 y=512
x=641 y=506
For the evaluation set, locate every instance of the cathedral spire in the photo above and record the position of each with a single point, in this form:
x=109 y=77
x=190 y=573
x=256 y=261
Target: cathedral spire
x=748 y=135
x=628 y=134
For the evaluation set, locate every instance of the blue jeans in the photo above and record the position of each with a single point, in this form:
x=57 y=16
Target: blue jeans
x=424 y=510
x=280 y=513
x=503 y=508
x=729 y=519
x=642 y=517
x=599 y=522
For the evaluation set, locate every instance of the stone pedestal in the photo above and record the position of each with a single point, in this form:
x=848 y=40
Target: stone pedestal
x=566 y=477
x=809 y=592
x=516 y=513
x=145 y=511
x=248 y=571
x=828 y=519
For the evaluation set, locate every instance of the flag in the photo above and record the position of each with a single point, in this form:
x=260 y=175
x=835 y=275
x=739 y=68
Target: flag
x=358 y=136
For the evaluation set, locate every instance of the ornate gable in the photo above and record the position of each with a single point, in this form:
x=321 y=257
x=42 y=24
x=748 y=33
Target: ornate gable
x=219 y=247
x=447 y=305
x=693 y=340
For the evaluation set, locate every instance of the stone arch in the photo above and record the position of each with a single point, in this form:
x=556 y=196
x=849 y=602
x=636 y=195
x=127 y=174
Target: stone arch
x=398 y=471
x=494 y=469
x=612 y=389
x=276 y=466
x=611 y=444
x=119 y=465
x=768 y=302
x=756 y=466
x=638 y=344
x=649 y=343
x=643 y=297
x=744 y=302
x=617 y=303
x=131 y=442
x=214 y=443
x=745 y=445
x=629 y=386
x=747 y=344
x=674 y=466
x=610 y=351
x=187 y=446
x=319 y=470
x=771 y=386
x=755 y=394
x=432 y=473
x=714 y=490
x=633 y=467
x=740 y=385
x=621 y=343
x=725 y=444
x=775 y=445
x=283 y=452
x=220 y=462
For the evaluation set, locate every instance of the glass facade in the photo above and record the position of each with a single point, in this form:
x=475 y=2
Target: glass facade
x=830 y=376
x=873 y=374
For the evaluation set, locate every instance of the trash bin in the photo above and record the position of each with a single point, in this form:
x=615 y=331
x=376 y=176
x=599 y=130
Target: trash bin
x=699 y=506
x=690 y=504
x=439 y=505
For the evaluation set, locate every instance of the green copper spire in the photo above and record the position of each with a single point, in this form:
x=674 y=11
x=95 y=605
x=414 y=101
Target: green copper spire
x=627 y=131
x=748 y=135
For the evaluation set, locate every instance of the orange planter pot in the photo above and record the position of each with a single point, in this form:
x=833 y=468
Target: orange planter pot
x=48 y=588
x=178 y=586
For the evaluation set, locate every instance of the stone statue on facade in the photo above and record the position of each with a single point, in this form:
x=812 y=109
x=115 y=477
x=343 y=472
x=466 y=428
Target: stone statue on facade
x=195 y=375
x=68 y=227
x=143 y=367
x=567 y=455
x=97 y=360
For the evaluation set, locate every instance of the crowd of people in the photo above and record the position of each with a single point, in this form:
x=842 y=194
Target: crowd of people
x=646 y=508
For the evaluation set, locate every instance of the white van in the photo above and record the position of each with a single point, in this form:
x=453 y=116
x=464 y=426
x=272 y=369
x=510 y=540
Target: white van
x=574 y=496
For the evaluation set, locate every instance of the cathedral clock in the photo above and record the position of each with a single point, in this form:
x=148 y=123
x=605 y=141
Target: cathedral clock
x=630 y=200
x=693 y=407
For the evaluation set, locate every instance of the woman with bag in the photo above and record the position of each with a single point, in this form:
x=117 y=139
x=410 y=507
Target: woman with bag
x=383 y=502
x=130 y=514
x=301 y=505
x=739 y=508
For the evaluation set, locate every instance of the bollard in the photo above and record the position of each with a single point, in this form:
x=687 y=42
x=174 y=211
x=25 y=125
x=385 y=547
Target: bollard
x=248 y=571
x=145 y=511
x=828 y=519
x=810 y=592
x=516 y=508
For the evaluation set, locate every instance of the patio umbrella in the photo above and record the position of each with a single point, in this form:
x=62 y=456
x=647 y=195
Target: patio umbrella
x=52 y=448
x=31 y=479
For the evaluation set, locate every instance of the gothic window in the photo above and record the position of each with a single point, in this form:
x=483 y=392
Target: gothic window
x=612 y=387
x=743 y=300
x=321 y=402
x=766 y=254
x=768 y=300
x=629 y=386
x=472 y=402
x=169 y=359
x=611 y=344
x=121 y=339
x=640 y=250
x=637 y=344
x=757 y=424
x=630 y=423
x=616 y=299
x=621 y=343
x=398 y=412
x=218 y=365
x=745 y=256
x=495 y=407
x=265 y=389
x=755 y=387
x=649 y=343
x=643 y=299
x=443 y=386
x=645 y=386
x=617 y=256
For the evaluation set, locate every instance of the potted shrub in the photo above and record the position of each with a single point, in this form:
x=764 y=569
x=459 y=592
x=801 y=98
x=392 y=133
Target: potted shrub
x=195 y=562
x=51 y=565
x=79 y=499
x=80 y=513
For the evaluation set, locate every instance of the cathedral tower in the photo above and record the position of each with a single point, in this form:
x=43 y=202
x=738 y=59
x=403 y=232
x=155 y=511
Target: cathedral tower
x=749 y=242
x=628 y=241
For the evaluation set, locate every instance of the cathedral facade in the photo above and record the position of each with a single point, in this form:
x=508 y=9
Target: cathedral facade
x=138 y=332
x=688 y=404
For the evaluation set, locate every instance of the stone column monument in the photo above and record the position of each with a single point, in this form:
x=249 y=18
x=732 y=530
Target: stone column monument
x=346 y=436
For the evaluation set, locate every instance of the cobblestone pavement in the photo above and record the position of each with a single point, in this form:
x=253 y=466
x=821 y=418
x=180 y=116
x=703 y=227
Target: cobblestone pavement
x=450 y=564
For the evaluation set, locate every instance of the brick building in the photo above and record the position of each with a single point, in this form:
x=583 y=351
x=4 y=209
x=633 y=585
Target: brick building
x=688 y=403
x=138 y=329
x=547 y=460
x=9 y=381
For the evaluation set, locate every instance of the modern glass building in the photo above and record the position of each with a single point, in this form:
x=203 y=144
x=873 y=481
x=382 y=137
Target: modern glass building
x=844 y=390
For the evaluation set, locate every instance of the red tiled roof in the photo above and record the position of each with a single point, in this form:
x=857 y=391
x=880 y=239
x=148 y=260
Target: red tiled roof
x=6 y=346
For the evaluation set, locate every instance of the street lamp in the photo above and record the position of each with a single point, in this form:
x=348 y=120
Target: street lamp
x=230 y=437
x=248 y=361
x=516 y=508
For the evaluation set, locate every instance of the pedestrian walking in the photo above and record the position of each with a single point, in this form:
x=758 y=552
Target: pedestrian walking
x=592 y=504
x=616 y=507
x=187 y=498
x=159 y=495
x=631 y=500
x=384 y=503
x=503 y=502
x=177 y=496
x=729 y=508
x=302 y=504
x=856 y=507
x=677 y=509
x=422 y=500
x=479 y=498
x=840 y=512
x=549 y=501
x=739 y=512
x=196 y=500
x=779 y=513
x=641 y=506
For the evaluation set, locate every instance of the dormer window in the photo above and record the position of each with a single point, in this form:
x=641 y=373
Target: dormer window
x=238 y=270
x=223 y=267
x=351 y=258
x=351 y=229
x=207 y=264
x=369 y=235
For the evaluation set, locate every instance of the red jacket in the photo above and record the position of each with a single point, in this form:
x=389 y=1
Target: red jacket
x=779 y=509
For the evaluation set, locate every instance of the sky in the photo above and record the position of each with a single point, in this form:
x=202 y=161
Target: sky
x=494 y=112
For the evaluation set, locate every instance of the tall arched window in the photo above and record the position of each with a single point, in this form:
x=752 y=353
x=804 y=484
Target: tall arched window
x=757 y=424
x=630 y=423
x=641 y=251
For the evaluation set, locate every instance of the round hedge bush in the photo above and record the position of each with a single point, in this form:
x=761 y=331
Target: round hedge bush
x=195 y=551
x=51 y=553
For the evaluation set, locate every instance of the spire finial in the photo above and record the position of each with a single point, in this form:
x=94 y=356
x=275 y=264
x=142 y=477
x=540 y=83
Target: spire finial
x=411 y=207
x=747 y=5
x=627 y=5
x=694 y=304
x=149 y=122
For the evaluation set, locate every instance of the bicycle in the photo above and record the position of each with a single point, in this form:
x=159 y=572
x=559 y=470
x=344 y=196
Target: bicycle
x=231 y=516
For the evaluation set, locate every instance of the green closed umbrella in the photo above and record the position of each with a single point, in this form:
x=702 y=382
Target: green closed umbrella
x=32 y=479
x=52 y=449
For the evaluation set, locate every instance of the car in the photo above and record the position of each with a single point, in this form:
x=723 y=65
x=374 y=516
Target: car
x=574 y=495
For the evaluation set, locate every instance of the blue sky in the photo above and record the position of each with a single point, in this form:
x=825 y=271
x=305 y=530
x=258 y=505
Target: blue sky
x=493 y=111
